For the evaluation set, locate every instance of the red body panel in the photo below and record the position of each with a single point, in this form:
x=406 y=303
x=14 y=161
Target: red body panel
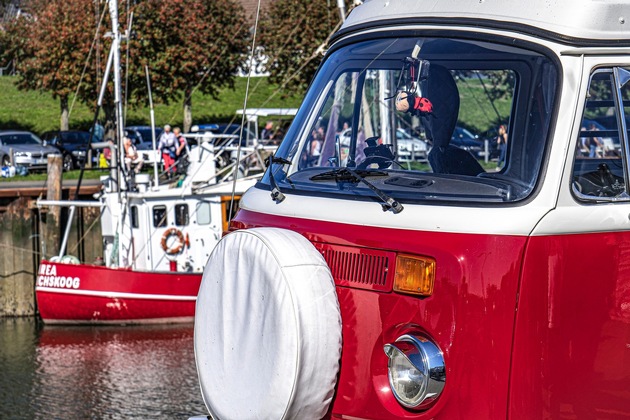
x=114 y=295
x=470 y=315
x=572 y=336
x=528 y=326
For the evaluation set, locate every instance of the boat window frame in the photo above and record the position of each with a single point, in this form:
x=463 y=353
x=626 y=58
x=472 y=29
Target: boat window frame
x=178 y=216
x=157 y=223
x=203 y=221
x=135 y=222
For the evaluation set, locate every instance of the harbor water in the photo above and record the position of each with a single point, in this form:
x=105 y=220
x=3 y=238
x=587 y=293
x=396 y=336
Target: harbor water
x=100 y=372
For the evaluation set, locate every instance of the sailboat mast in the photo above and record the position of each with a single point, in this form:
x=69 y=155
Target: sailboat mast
x=123 y=233
x=113 y=11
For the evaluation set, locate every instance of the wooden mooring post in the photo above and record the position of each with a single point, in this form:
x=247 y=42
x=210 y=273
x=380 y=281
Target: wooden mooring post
x=52 y=219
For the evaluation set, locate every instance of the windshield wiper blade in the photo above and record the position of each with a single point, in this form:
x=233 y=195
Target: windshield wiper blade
x=356 y=176
x=346 y=175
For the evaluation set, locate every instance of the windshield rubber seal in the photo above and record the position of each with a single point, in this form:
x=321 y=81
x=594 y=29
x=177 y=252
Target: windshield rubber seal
x=349 y=37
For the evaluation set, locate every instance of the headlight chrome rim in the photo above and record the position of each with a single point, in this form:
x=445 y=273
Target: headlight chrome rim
x=427 y=359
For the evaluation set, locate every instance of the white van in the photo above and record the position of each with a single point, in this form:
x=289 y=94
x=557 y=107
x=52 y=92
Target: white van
x=357 y=287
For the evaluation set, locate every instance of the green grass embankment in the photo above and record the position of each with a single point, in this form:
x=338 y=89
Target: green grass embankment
x=38 y=112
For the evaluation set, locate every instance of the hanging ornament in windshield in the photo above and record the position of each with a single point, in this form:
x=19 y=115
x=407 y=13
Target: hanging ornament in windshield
x=412 y=87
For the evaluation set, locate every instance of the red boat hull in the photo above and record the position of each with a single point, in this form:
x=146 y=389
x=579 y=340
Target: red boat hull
x=87 y=294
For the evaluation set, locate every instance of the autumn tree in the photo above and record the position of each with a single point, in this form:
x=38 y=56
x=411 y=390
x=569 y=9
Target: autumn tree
x=293 y=37
x=50 y=48
x=188 y=45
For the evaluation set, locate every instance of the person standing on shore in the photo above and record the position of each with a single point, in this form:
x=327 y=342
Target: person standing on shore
x=167 y=146
x=502 y=139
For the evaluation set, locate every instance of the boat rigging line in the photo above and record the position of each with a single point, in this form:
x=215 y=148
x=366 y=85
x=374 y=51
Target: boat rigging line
x=240 y=134
x=87 y=61
x=485 y=89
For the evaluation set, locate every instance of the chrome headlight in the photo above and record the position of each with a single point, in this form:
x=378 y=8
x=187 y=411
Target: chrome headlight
x=416 y=371
x=22 y=154
x=80 y=153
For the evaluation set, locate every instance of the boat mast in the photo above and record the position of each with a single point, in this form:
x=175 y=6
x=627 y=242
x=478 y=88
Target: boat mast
x=116 y=37
x=123 y=232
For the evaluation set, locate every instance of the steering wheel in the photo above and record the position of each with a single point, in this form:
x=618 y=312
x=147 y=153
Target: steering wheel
x=383 y=162
x=600 y=183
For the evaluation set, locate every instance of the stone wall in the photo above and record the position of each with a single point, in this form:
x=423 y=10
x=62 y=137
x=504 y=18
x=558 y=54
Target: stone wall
x=17 y=260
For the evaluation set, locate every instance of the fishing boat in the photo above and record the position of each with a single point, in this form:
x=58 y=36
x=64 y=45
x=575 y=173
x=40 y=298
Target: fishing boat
x=157 y=235
x=156 y=241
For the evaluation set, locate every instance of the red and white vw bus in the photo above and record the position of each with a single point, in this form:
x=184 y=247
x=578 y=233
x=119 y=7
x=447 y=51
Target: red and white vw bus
x=483 y=279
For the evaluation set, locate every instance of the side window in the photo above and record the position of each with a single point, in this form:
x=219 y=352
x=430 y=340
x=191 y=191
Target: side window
x=203 y=213
x=181 y=214
x=159 y=216
x=600 y=167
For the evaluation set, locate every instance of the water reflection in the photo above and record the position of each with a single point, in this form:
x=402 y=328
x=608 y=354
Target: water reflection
x=104 y=372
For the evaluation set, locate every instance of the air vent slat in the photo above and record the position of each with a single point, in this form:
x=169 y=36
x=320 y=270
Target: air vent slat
x=362 y=268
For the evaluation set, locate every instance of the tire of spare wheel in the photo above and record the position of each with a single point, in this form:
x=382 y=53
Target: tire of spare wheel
x=267 y=328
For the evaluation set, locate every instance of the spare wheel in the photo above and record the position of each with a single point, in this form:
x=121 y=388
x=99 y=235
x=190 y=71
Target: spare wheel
x=267 y=328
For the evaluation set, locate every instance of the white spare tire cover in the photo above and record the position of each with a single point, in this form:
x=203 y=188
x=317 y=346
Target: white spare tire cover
x=267 y=328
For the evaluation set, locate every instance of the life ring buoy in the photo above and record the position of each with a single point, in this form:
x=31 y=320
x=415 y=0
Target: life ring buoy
x=177 y=247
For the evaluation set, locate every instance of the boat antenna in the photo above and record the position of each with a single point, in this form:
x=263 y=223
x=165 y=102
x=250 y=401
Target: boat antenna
x=128 y=34
x=243 y=119
x=342 y=9
x=152 y=113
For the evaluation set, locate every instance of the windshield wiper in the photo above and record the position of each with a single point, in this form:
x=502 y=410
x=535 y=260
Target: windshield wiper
x=346 y=175
x=276 y=194
x=356 y=176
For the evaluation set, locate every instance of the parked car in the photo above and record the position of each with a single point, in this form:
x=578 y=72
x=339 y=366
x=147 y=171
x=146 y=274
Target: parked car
x=141 y=137
x=464 y=139
x=28 y=149
x=409 y=147
x=72 y=145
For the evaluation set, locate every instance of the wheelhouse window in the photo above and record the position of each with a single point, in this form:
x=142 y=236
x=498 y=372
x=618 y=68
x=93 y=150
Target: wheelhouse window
x=181 y=214
x=600 y=165
x=134 y=217
x=433 y=119
x=203 y=213
x=159 y=216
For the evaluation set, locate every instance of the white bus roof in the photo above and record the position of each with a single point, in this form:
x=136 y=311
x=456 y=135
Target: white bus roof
x=569 y=21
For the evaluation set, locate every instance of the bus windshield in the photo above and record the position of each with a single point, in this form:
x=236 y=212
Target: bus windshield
x=439 y=119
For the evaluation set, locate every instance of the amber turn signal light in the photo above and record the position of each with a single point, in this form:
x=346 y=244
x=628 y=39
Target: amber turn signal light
x=414 y=275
